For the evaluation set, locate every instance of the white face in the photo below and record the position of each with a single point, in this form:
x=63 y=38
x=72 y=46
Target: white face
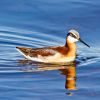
x=72 y=39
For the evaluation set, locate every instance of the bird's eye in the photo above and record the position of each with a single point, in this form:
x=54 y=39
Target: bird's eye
x=72 y=35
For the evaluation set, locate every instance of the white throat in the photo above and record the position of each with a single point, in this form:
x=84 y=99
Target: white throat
x=71 y=39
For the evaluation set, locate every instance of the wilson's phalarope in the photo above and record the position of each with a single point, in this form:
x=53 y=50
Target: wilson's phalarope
x=54 y=54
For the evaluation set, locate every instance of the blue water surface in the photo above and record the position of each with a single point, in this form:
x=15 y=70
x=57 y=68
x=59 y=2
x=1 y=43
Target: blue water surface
x=40 y=23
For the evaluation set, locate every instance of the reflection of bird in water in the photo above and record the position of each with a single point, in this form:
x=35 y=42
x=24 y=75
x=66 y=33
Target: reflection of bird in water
x=70 y=73
x=54 y=54
x=69 y=70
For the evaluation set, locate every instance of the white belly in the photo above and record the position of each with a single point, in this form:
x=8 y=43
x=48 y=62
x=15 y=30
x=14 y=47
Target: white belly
x=51 y=59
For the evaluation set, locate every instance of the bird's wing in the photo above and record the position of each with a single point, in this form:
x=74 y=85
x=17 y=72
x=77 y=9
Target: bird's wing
x=42 y=52
x=47 y=51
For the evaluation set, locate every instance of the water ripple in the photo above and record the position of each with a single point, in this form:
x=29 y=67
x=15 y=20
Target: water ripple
x=12 y=37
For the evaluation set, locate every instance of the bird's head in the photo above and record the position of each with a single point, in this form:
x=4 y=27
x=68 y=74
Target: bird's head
x=73 y=36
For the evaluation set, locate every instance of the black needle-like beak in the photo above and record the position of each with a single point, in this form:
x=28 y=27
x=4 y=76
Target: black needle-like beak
x=83 y=42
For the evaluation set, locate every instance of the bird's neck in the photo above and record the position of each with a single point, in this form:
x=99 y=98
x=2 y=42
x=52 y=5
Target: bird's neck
x=71 y=49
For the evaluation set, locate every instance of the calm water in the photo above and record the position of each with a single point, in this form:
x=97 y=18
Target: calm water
x=39 y=23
